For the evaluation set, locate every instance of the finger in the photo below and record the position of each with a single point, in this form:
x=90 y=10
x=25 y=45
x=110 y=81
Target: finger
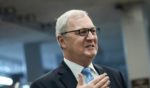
x=100 y=77
x=80 y=79
x=102 y=82
x=106 y=85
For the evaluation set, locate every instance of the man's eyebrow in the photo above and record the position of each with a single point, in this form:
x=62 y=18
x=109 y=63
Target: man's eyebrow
x=87 y=28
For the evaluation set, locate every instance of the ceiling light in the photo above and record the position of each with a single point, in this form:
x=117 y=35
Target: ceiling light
x=5 y=81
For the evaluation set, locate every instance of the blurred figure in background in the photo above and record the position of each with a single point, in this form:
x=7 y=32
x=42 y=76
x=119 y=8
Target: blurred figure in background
x=17 y=85
x=77 y=37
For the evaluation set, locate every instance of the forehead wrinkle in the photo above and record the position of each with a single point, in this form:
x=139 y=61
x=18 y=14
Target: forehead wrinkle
x=72 y=23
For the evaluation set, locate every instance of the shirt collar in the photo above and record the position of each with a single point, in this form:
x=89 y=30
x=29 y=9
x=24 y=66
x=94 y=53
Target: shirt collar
x=76 y=68
x=92 y=68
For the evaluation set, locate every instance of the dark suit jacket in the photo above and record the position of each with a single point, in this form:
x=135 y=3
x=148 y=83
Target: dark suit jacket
x=62 y=77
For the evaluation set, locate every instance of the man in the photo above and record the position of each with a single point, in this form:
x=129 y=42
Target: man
x=77 y=37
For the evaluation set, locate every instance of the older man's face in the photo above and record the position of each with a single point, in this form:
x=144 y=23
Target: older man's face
x=81 y=44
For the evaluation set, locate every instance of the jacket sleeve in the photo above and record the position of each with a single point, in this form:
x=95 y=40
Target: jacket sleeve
x=124 y=84
x=47 y=83
x=36 y=85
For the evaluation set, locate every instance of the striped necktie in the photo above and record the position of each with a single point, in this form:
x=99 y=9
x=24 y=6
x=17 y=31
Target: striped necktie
x=88 y=75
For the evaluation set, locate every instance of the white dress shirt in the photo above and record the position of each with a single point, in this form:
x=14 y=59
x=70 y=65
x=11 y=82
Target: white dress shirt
x=76 y=69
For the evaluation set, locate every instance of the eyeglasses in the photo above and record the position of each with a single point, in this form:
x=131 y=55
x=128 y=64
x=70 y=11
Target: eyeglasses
x=83 y=31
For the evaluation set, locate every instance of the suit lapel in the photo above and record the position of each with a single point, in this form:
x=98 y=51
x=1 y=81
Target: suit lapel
x=66 y=76
x=99 y=69
x=68 y=79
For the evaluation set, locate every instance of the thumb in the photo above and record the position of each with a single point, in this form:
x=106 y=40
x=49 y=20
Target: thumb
x=80 y=80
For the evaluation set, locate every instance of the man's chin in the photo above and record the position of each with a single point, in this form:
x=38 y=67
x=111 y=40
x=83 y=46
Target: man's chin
x=91 y=54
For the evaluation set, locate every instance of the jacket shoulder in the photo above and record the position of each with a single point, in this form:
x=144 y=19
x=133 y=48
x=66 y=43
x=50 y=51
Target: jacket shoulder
x=48 y=80
x=115 y=76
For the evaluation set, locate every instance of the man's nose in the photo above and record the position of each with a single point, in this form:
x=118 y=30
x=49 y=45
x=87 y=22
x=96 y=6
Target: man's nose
x=90 y=35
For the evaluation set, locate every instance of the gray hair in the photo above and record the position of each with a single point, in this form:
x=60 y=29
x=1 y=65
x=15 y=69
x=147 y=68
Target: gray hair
x=62 y=21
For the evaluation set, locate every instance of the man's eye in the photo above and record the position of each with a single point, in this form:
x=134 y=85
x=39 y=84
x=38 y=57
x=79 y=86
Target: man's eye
x=93 y=31
x=83 y=31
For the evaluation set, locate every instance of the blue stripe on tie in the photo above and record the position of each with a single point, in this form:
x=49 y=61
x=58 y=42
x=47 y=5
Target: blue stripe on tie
x=88 y=74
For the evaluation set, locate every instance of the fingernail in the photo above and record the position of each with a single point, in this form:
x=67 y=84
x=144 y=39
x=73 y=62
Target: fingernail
x=105 y=74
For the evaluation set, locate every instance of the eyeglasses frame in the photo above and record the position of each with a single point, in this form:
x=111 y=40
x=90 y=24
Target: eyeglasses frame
x=78 y=31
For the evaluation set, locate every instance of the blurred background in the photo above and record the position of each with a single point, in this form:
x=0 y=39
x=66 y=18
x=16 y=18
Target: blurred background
x=28 y=47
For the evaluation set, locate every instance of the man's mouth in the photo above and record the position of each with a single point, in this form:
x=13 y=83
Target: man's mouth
x=89 y=46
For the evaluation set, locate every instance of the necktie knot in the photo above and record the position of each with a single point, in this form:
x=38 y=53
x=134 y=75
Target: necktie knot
x=88 y=74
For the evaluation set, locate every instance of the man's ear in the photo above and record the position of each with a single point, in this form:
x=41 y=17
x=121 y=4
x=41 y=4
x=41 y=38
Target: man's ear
x=61 y=41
